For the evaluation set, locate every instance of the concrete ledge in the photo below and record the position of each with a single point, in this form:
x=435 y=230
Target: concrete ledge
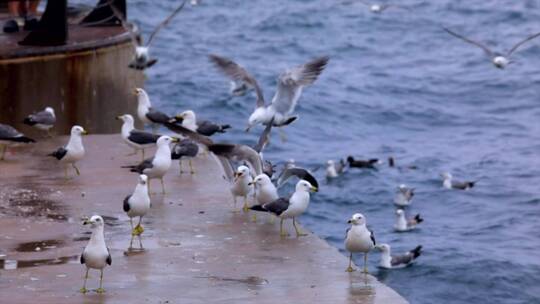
x=198 y=251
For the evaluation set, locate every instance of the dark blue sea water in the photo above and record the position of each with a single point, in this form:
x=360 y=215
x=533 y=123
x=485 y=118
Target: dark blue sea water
x=396 y=85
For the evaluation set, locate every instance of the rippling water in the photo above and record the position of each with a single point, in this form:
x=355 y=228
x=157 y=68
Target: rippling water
x=396 y=85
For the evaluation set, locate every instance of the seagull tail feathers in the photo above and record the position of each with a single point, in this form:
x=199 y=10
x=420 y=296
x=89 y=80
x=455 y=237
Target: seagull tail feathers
x=29 y=121
x=416 y=252
x=222 y=128
x=418 y=219
x=258 y=208
x=24 y=139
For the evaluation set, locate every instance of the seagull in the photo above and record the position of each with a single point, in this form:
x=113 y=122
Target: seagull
x=359 y=239
x=137 y=139
x=403 y=224
x=147 y=114
x=137 y=204
x=334 y=170
x=241 y=185
x=239 y=153
x=397 y=261
x=354 y=163
x=392 y=164
x=204 y=127
x=9 y=136
x=156 y=167
x=379 y=8
x=289 y=89
x=404 y=196
x=290 y=207
x=448 y=183
x=185 y=148
x=265 y=190
x=43 y=120
x=142 y=59
x=95 y=255
x=301 y=173
x=500 y=60
x=73 y=151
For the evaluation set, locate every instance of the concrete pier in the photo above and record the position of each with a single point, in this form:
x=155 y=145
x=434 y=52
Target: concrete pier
x=197 y=250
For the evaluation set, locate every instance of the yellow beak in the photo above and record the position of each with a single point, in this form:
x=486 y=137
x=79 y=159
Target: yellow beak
x=314 y=189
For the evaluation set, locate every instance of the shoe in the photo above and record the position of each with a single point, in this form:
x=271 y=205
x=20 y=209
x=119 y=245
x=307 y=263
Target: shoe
x=11 y=26
x=30 y=24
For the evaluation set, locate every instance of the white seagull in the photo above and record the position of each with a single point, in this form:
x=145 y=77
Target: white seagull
x=289 y=89
x=146 y=113
x=73 y=151
x=137 y=204
x=43 y=120
x=404 y=196
x=95 y=255
x=449 y=183
x=403 y=224
x=241 y=185
x=204 y=127
x=500 y=60
x=9 y=136
x=334 y=170
x=156 y=167
x=137 y=139
x=398 y=261
x=359 y=239
x=290 y=208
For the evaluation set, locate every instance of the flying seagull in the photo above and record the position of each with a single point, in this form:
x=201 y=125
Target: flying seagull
x=9 y=136
x=389 y=262
x=95 y=255
x=73 y=151
x=403 y=224
x=404 y=196
x=137 y=204
x=142 y=59
x=301 y=173
x=290 y=207
x=147 y=114
x=204 y=127
x=156 y=167
x=359 y=239
x=334 y=170
x=43 y=120
x=500 y=60
x=185 y=148
x=289 y=89
x=137 y=139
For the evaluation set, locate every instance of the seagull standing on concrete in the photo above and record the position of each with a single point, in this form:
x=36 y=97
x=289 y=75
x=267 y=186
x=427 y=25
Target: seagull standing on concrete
x=359 y=239
x=95 y=255
x=43 y=120
x=137 y=204
x=389 y=262
x=137 y=139
x=9 y=136
x=449 y=183
x=241 y=186
x=403 y=224
x=73 y=151
x=290 y=208
x=146 y=113
x=185 y=148
x=404 y=196
x=499 y=60
x=204 y=127
x=156 y=167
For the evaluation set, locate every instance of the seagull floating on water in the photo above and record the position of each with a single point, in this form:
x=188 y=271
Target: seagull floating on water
x=43 y=120
x=403 y=224
x=500 y=60
x=290 y=207
x=137 y=204
x=379 y=8
x=9 y=136
x=142 y=59
x=289 y=89
x=334 y=170
x=185 y=148
x=137 y=139
x=359 y=239
x=358 y=163
x=241 y=185
x=95 y=255
x=404 y=196
x=146 y=113
x=73 y=151
x=204 y=127
x=449 y=183
x=398 y=261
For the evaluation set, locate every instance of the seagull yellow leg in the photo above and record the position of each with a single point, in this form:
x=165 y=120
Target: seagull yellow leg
x=140 y=243
x=191 y=167
x=365 y=263
x=162 y=186
x=281 y=232
x=350 y=269
x=76 y=169
x=132 y=233
x=272 y=218
x=138 y=230
x=298 y=232
x=181 y=170
x=100 y=289
x=3 y=148
x=246 y=206
x=254 y=217
x=66 y=172
x=83 y=289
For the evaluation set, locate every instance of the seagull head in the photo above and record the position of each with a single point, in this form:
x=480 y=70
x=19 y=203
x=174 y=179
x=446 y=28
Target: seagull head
x=383 y=247
x=261 y=180
x=141 y=53
x=257 y=117
x=143 y=179
x=375 y=8
x=357 y=219
x=242 y=171
x=500 y=61
x=446 y=176
x=94 y=222
x=78 y=131
x=399 y=212
x=142 y=96
x=50 y=110
x=166 y=140
x=330 y=163
x=125 y=118
x=350 y=159
x=306 y=186
x=187 y=116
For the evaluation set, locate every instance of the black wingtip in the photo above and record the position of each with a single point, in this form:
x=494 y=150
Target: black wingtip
x=258 y=208
x=418 y=218
x=223 y=128
x=417 y=251
x=24 y=139
x=29 y=121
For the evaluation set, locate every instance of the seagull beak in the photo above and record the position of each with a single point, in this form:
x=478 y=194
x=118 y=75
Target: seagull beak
x=86 y=220
x=251 y=183
x=135 y=92
x=84 y=132
x=175 y=139
x=118 y=117
x=314 y=189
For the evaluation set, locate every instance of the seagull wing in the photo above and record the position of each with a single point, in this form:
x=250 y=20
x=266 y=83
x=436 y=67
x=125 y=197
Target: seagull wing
x=515 y=47
x=301 y=173
x=9 y=133
x=185 y=147
x=188 y=133
x=406 y=258
x=165 y=22
x=488 y=52
x=127 y=26
x=239 y=153
x=227 y=166
x=236 y=72
x=156 y=116
x=278 y=206
x=126 y=205
x=291 y=82
x=142 y=137
x=265 y=137
x=145 y=164
x=372 y=237
x=42 y=117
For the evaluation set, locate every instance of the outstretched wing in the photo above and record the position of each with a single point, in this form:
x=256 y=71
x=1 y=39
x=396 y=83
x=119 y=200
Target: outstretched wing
x=127 y=26
x=515 y=47
x=265 y=137
x=239 y=153
x=301 y=173
x=291 y=82
x=488 y=52
x=188 y=133
x=236 y=72
x=165 y=22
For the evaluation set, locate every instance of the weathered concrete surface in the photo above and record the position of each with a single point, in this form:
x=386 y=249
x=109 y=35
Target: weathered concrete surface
x=198 y=251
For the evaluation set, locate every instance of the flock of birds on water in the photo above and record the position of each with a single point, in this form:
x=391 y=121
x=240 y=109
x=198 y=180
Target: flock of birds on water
x=245 y=168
